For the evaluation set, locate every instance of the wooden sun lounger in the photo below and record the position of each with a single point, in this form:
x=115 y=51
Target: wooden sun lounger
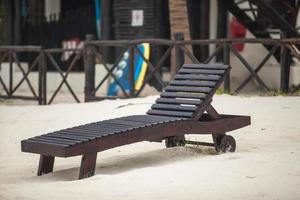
x=178 y=111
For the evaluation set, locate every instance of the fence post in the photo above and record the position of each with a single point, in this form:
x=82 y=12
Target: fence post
x=179 y=54
x=285 y=64
x=131 y=71
x=89 y=69
x=226 y=61
x=10 y=58
x=42 y=78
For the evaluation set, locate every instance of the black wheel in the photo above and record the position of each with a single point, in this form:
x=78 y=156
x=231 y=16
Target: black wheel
x=227 y=144
x=175 y=141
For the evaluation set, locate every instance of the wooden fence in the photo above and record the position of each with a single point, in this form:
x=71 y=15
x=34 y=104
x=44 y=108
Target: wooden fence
x=91 y=52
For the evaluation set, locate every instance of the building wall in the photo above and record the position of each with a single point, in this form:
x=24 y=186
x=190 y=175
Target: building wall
x=1 y=23
x=52 y=7
x=179 y=18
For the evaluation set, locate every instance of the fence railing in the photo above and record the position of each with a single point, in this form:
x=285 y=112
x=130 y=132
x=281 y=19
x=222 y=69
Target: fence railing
x=91 y=52
x=11 y=55
x=182 y=50
x=50 y=58
x=39 y=61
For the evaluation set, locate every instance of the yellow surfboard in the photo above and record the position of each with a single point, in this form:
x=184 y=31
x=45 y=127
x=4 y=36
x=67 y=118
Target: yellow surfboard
x=141 y=77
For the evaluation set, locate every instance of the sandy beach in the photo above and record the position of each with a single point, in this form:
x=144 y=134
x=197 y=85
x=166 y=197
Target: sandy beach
x=266 y=164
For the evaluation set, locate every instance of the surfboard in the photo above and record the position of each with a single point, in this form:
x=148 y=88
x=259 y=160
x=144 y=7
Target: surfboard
x=121 y=71
x=98 y=17
x=142 y=73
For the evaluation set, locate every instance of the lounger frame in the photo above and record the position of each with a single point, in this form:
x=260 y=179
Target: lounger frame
x=153 y=128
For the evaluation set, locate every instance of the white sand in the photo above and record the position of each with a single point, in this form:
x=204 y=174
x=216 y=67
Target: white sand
x=265 y=166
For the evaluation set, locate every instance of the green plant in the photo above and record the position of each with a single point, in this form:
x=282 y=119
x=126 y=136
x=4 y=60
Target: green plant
x=294 y=91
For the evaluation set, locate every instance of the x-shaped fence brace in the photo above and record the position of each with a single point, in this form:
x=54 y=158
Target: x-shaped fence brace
x=2 y=58
x=295 y=52
x=110 y=71
x=248 y=67
x=253 y=71
x=64 y=75
x=195 y=60
x=153 y=70
x=13 y=58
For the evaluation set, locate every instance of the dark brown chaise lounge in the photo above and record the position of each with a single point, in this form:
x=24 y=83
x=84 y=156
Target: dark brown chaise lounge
x=179 y=110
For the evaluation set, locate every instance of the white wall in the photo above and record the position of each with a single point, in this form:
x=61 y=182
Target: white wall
x=52 y=7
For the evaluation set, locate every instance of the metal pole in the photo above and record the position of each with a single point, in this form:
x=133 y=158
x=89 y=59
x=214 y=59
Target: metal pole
x=226 y=61
x=10 y=72
x=40 y=82
x=89 y=69
x=131 y=71
x=45 y=68
x=42 y=78
x=285 y=63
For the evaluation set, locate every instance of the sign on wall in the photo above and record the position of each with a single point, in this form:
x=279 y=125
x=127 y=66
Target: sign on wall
x=137 y=17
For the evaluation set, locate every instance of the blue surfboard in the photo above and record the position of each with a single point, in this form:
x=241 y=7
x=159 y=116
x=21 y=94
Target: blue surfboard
x=121 y=71
x=98 y=17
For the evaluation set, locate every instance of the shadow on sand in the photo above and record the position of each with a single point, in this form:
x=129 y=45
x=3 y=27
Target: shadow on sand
x=124 y=163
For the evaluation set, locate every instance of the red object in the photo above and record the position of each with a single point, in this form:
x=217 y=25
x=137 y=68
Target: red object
x=237 y=30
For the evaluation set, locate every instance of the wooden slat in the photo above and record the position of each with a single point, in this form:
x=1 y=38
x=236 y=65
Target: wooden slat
x=149 y=119
x=193 y=83
x=201 y=71
x=170 y=113
x=77 y=132
x=141 y=119
x=123 y=122
x=178 y=101
x=111 y=124
x=183 y=95
x=47 y=142
x=30 y=141
x=173 y=107
x=205 y=66
x=53 y=140
x=69 y=136
x=135 y=124
x=187 y=89
x=197 y=77
x=81 y=130
x=60 y=139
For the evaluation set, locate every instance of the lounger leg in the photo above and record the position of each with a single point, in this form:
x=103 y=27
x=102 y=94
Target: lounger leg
x=45 y=165
x=217 y=138
x=88 y=165
x=175 y=141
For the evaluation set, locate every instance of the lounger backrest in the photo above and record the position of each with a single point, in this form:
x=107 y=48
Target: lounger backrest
x=191 y=90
